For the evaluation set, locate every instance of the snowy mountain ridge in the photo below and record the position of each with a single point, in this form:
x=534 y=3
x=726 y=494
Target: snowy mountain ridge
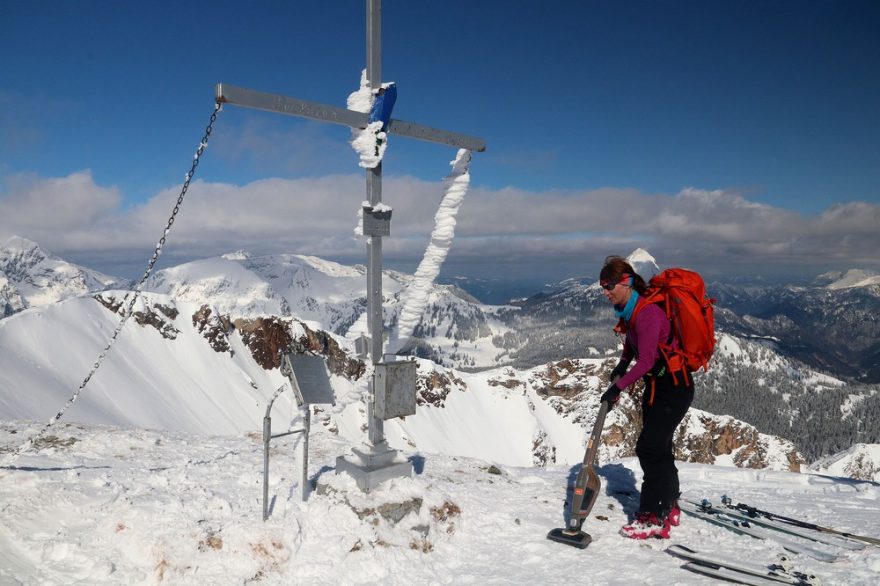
x=31 y=277
x=240 y=304
x=849 y=279
x=454 y=328
x=176 y=368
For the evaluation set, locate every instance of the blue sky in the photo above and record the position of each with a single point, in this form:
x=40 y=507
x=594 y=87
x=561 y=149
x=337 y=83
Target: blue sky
x=752 y=126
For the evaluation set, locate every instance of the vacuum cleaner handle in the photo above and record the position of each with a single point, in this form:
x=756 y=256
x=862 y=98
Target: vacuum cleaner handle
x=593 y=442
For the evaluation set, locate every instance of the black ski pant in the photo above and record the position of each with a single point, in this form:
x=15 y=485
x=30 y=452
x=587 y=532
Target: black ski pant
x=662 y=411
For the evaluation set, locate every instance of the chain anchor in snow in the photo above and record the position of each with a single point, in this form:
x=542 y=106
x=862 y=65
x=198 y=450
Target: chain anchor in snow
x=130 y=298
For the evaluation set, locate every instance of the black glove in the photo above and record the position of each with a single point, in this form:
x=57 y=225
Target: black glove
x=618 y=371
x=611 y=396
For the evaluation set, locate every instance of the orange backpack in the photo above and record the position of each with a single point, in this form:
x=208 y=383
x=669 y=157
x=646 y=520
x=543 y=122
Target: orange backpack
x=691 y=316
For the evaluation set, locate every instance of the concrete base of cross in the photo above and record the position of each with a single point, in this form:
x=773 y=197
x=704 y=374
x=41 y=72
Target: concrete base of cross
x=374 y=465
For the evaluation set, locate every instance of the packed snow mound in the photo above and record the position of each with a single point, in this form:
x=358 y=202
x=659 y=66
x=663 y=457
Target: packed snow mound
x=105 y=506
x=861 y=461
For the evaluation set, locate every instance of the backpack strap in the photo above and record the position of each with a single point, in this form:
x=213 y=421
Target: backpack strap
x=641 y=302
x=674 y=361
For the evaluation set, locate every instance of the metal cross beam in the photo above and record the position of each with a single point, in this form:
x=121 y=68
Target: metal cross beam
x=378 y=462
x=230 y=94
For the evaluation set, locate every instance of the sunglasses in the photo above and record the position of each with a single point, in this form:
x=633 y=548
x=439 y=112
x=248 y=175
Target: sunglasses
x=608 y=286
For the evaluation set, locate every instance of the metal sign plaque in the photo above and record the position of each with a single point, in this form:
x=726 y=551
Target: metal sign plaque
x=376 y=223
x=311 y=378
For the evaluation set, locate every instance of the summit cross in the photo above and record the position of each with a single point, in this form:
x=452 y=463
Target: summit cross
x=378 y=462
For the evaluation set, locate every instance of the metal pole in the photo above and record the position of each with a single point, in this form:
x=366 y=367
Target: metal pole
x=267 y=435
x=307 y=424
x=376 y=432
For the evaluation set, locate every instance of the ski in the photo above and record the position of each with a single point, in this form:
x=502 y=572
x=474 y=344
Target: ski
x=832 y=540
x=711 y=515
x=733 y=569
x=729 y=575
x=752 y=511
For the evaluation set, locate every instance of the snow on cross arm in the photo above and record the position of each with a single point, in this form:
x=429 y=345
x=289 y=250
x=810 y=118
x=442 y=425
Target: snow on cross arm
x=416 y=295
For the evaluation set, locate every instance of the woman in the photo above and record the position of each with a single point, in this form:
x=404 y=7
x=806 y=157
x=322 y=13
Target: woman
x=664 y=402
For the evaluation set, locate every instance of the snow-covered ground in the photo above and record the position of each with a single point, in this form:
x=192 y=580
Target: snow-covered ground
x=104 y=505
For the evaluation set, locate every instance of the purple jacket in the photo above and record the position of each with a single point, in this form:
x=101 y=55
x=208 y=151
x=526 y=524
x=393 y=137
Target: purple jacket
x=643 y=335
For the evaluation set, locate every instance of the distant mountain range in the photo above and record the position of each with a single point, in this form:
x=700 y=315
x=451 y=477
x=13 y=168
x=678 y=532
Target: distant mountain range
x=832 y=326
x=829 y=326
x=30 y=277
x=209 y=330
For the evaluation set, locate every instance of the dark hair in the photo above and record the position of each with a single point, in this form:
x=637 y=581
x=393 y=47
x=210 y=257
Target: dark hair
x=616 y=267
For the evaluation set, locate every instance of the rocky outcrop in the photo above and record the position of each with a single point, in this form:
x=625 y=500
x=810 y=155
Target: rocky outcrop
x=433 y=388
x=726 y=436
x=571 y=388
x=507 y=380
x=158 y=316
x=706 y=439
x=110 y=302
x=267 y=337
x=568 y=387
x=214 y=328
x=11 y=300
x=566 y=379
x=338 y=361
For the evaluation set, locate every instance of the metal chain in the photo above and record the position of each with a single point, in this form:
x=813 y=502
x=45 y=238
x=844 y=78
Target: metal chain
x=131 y=297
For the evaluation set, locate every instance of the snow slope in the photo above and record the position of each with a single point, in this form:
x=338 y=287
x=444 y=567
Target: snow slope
x=146 y=381
x=101 y=505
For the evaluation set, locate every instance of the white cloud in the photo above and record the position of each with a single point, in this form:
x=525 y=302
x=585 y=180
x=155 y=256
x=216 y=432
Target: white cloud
x=497 y=228
x=44 y=206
